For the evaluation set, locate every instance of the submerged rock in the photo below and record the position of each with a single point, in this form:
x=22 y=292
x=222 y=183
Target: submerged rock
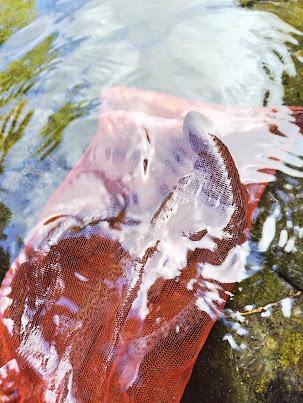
x=291 y=11
x=284 y=255
x=269 y=369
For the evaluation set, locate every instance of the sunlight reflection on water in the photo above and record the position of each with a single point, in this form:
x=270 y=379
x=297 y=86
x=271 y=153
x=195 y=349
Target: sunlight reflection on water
x=69 y=50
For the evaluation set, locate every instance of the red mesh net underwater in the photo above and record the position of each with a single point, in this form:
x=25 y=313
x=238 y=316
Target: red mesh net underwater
x=134 y=255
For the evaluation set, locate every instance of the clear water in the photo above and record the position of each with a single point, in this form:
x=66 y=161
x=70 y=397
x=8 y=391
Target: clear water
x=57 y=56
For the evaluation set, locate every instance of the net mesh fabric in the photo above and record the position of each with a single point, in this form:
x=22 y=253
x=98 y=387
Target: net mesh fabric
x=72 y=324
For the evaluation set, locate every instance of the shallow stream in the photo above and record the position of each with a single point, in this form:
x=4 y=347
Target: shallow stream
x=56 y=56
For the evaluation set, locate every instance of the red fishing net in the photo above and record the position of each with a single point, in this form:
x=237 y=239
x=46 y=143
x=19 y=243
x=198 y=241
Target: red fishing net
x=134 y=255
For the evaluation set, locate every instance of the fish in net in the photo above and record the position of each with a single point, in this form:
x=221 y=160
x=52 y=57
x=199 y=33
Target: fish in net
x=137 y=251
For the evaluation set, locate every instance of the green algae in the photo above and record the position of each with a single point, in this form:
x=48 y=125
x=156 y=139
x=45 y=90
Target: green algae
x=20 y=75
x=52 y=132
x=270 y=367
x=17 y=79
x=291 y=12
x=14 y=14
x=288 y=198
x=274 y=346
x=15 y=82
x=261 y=289
x=291 y=350
x=215 y=378
x=5 y=216
x=273 y=359
x=13 y=128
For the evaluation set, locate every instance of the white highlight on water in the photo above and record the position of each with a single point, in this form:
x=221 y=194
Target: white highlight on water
x=283 y=238
x=286 y=305
x=229 y=337
x=267 y=311
x=249 y=307
x=290 y=245
x=177 y=33
x=268 y=232
x=80 y=277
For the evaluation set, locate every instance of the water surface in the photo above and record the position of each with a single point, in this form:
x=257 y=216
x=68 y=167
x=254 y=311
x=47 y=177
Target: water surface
x=57 y=56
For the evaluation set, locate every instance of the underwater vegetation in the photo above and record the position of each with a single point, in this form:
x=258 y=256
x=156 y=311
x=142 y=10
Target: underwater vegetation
x=19 y=78
x=291 y=11
x=15 y=14
x=270 y=368
x=5 y=215
x=53 y=130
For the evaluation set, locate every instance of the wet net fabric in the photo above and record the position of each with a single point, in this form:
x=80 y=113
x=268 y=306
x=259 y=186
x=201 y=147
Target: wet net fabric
x=112 y=299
